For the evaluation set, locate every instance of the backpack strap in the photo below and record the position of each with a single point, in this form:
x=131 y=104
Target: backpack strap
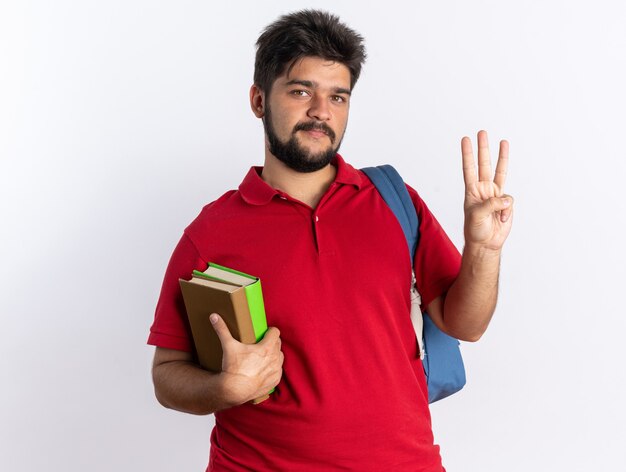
x=391 y=187
x=440 y=354
x=393 y=190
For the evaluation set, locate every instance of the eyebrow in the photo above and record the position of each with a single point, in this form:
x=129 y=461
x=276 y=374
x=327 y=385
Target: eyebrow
x=310 y=84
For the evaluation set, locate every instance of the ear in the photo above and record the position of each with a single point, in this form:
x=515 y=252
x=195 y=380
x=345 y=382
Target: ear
x=257 y=101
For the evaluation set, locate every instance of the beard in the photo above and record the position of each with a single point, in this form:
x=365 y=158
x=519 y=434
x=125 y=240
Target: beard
x=292 y=153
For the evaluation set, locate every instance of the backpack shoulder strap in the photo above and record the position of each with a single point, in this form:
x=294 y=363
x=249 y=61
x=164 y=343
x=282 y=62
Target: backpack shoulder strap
x=393 y=190
x=443 y=364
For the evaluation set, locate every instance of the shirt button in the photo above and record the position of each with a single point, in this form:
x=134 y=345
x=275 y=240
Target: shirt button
x=317 y=218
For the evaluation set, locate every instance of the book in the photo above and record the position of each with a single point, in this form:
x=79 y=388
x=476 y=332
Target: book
x=237 y=297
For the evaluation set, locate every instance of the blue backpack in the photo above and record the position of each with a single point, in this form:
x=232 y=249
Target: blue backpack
x=442 y=361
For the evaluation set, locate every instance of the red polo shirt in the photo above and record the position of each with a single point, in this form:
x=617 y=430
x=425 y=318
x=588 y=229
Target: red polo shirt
x=336 y=283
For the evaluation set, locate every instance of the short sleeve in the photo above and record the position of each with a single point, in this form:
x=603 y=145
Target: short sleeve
x=170 y=328
x=437 y=260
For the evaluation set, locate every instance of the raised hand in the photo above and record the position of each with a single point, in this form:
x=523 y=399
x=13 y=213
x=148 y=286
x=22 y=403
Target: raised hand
x=250 y=371
x=488 y=210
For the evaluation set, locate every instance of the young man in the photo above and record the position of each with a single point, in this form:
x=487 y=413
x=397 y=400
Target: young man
x=350 y=392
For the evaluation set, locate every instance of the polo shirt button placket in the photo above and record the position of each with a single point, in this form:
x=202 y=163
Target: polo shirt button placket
x=316 y=235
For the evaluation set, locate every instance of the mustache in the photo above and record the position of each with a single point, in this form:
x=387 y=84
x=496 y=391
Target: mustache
x=311 y=125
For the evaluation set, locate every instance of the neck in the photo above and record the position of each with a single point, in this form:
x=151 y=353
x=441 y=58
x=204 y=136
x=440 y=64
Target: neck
x=307 y=187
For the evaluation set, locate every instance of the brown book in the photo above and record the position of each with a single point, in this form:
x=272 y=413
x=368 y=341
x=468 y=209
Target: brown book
x=203 y=297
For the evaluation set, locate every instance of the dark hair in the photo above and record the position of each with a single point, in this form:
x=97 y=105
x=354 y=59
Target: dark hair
x=306 y=33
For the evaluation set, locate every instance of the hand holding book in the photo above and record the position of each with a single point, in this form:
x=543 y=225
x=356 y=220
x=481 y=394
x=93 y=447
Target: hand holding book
x=250 y=370
x=238 y=299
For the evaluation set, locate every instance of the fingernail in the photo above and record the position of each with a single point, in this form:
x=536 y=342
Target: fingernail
x=213 y=318
x=506 y=202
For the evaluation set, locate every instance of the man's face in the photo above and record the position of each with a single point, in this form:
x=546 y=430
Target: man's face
x=306 y=113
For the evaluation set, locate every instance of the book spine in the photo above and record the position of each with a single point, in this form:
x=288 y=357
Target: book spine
x=242 y=318
x=254 y=294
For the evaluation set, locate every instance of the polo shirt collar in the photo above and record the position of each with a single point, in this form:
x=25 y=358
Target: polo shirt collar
x=346 y=174
x=255 y=191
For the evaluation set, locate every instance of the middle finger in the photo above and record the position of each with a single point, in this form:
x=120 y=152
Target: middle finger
x=484 y=159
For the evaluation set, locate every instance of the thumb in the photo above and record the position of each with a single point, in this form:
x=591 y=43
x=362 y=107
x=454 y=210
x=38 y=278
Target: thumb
x=221 y=329
x=493 y=205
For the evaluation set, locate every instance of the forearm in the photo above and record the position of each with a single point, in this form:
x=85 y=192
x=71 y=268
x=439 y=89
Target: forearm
x=183 y=386
x=471 y=300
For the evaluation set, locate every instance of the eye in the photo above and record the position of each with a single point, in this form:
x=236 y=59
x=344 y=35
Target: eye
x=338 y=98
x=299 y=93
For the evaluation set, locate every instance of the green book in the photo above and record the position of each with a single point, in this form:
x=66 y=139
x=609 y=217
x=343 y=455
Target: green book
x=237 y=297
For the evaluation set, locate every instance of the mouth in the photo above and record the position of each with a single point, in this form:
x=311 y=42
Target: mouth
x=316 y=133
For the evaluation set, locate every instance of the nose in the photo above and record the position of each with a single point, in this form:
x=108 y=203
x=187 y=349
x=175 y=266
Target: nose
x=319 y=109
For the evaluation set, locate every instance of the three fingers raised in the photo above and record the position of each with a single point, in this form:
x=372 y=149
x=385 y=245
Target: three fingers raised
x=470 y=176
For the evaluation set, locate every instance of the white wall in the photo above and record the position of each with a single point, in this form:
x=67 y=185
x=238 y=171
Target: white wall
x=120 y=119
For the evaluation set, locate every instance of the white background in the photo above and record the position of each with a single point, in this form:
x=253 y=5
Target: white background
x=119 y=120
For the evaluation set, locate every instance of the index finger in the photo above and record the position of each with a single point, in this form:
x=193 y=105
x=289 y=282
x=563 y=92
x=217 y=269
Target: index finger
x=271 y=335
x=503 y=164
x=469 y=166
